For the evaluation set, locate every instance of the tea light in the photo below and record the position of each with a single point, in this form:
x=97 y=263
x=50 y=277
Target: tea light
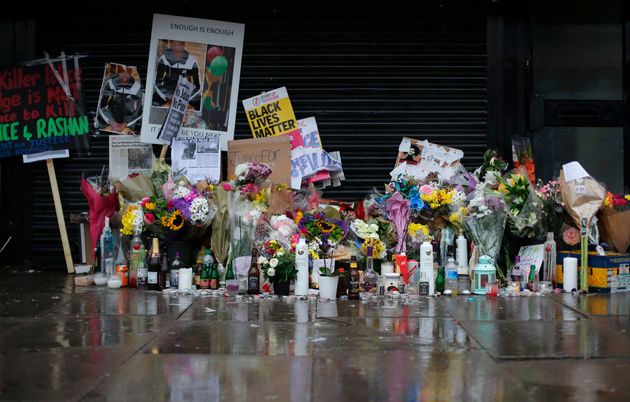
x=100 y=279
x=114 y=282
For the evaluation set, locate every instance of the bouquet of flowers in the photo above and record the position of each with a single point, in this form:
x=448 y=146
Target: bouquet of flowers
x=367 y=235
x=132 y=219
x=522 y=156
x=614 y=221
x=553 y=211
x=323 y=234
x=485 y=223
x=524 y=206
x=277 y=262
x=492 y=165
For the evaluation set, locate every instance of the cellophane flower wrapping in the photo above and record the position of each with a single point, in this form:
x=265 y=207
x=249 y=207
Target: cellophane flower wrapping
x=525 y=208
x=485 y=222
x=243 y=219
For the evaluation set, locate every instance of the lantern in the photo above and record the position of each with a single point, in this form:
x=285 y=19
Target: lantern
x=485 y=272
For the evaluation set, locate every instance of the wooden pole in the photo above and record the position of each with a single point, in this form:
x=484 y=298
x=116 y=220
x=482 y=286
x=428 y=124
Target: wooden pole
x=163 y=152
x=60 y=220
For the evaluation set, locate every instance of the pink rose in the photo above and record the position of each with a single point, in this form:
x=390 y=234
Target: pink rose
x=144 y=201
x=149 y=218
x=571 y=236
x=227 y=186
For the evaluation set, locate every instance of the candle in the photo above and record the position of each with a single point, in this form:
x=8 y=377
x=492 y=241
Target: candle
x=185 y=279
x=569 y=272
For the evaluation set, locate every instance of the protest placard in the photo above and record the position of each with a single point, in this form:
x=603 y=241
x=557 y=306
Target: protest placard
x=273 y=151
x=208 y=54
x=39 y=108
x=270 y=113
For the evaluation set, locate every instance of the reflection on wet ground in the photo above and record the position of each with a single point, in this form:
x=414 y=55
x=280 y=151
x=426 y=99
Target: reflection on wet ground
x=61 y=343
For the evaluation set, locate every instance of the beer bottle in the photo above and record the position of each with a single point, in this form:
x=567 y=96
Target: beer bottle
x=253 y=276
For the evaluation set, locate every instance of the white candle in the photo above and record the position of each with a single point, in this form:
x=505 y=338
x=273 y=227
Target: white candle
x=185 y=279
x=569 y=272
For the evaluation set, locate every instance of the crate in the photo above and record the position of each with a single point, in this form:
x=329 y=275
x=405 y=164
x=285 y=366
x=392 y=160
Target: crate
x=606 y=273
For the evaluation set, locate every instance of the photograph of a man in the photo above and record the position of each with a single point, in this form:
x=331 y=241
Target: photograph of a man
x=178 y=58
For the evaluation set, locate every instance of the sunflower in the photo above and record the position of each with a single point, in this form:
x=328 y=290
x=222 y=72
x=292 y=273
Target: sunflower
x=176 y=221
x=164 y=221
x=325 y=226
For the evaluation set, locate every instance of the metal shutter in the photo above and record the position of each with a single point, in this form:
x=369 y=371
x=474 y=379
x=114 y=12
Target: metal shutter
x=369 y=75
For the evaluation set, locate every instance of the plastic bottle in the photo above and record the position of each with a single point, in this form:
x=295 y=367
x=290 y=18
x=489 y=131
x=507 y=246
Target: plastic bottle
x=462 y=255
x=301 y=265
x=426 y=264
x=107 y=249
x=450 y=276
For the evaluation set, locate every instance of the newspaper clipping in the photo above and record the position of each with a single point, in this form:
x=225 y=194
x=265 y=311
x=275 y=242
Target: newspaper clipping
x=128 y=155
x=197 y=158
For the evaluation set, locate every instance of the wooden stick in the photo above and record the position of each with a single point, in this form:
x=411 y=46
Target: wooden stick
x=163 y=152
x=60 y=220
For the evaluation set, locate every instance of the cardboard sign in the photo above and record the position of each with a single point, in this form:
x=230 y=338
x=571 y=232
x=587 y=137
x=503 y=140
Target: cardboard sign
x=175 y=117
x=420 y=158
x=270 y=113
x=273 y=151
x=36 y=113
x=208 y=54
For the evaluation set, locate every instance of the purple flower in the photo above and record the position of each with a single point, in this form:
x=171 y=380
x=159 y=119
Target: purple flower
x=183 y=206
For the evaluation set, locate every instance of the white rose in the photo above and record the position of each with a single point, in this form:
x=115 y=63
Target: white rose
x=280 y=253
x=262 y=260
x=273 y=262
x=240 y=170
x=271 y=272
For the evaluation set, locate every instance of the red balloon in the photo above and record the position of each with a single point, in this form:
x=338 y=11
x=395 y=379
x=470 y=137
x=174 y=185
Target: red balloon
x=213 y=52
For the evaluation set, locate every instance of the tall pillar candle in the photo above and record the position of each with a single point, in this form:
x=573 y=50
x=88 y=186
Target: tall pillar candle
x=569 y=273
x=185 y=279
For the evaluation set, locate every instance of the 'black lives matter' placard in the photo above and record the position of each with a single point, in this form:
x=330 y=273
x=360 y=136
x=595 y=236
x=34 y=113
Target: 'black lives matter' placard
x=35 y=112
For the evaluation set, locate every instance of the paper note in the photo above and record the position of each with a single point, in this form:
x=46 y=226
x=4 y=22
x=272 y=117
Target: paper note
x=573 y=171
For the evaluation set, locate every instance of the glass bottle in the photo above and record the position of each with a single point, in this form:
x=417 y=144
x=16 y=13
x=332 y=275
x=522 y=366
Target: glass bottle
x=135 y=255
x=550 y=260
x=206 y=270
x=370 y=277
x=164 y=278
x=154 y=266
x=229 y=271
x=175 y=266
x=440 y=280
x=213 y=272
x=423 y=285
x=253 y=276
x=533 y=283
x=342 y=284
x=143 y=272
x=197 y=273
x=354 y=284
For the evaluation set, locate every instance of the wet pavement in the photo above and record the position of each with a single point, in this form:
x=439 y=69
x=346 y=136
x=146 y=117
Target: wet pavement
x=64 y=343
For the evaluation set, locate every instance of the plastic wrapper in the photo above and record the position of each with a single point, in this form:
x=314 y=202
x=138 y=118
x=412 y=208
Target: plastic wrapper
x=486 y=222
x=280 y=200
x=160 y=174
x=243 y=219
x=135 y=188
x=525 y=208
x=615 y=228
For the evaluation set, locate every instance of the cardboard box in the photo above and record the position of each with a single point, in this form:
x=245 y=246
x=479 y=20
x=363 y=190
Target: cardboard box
x=273 y=151
x=606 y=274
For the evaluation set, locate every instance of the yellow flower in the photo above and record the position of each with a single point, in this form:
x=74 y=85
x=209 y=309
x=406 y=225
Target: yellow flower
x=176 y=221
x=261 y=197
x=164 y=221
x=627 y=197
x=298 y=217
x=313 y=254
x=127 y=220
x=414 y=228
x=455 y=219
x=377 y=247
x=150 y=206
x=608 y=200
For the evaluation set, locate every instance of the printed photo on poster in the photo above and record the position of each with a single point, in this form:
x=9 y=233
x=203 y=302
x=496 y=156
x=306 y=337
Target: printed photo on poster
x=128 y=155
x=119 y=108
x=197 y=158
x=208 y=54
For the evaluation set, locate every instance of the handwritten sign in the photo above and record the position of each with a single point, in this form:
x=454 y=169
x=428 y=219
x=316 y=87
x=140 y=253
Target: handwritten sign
x=273 y=151
x=270 y=113
x=35 y=112
x=420 y=158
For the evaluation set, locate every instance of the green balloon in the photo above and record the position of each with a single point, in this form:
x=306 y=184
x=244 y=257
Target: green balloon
x=207 y=103
x=218 y=66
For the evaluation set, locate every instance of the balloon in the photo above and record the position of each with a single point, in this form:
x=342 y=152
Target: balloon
x=207 y=103
x=218 y=65
x=213 y=52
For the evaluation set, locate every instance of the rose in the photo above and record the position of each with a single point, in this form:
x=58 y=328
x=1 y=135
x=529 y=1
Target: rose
x=149 y=218
x=227 y=186
x=271 y=272
x=262 y=260
x=273 y=262
x=571 y=236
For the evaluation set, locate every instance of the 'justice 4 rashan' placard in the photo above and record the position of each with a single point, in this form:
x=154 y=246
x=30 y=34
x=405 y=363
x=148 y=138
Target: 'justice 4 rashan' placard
x=38 y=108
x=270 y=113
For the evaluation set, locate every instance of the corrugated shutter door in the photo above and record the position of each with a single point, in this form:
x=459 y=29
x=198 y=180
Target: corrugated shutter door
x=369 y=76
